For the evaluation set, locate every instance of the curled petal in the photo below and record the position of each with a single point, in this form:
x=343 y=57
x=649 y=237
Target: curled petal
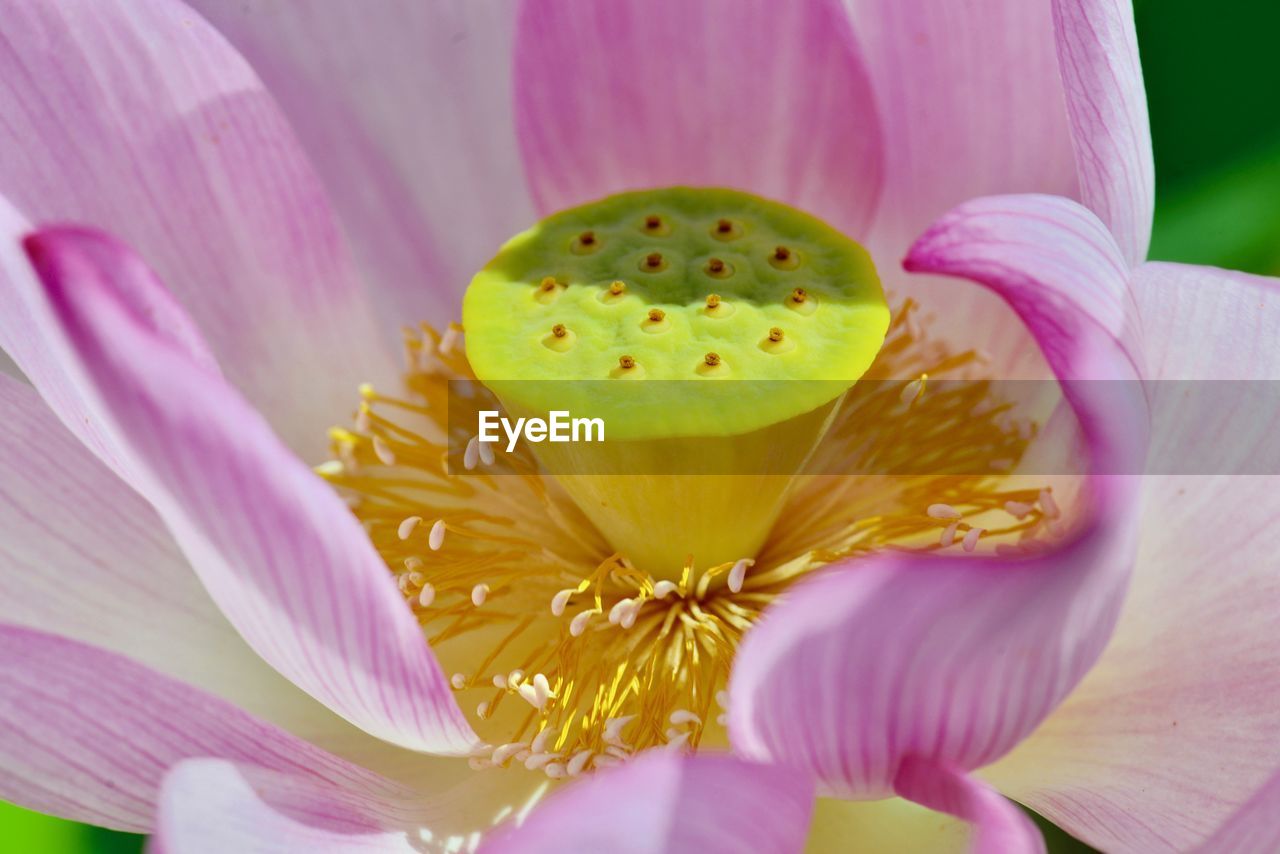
x=276 y=548
x=955 y=660
x=1177 y=725
x=999 y=827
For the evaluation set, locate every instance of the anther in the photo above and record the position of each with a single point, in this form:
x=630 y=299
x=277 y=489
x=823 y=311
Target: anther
x=405 y=529
x=458 y=681
x=970 y=541
x=948 y=535
x=663 y=589
x=478 y=594
x=540 y=740
x=942 y=511
x=426 y=596
x=579 y=623
x=561 y=600
x=738 y=574
x=382 y=452
x=684 y=716
x=436 y=538
x=1048 y=504
x=578 y=762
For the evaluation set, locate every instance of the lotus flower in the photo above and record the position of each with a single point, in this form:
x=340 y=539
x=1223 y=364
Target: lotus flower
x=305 y=178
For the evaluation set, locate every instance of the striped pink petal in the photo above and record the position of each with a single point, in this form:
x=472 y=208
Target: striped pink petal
x=276 y=548
x=140 y=118
x=1107 y=109
x=88 y=735
x=771 y=98
x=663 y=801
x=406 y=110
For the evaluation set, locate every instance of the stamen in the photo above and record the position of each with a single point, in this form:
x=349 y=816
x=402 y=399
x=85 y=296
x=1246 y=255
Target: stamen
x=739 y=574
x=406 y=527
x=942 y=511
x=971 y=539
x=436 y=538
x=478 y=594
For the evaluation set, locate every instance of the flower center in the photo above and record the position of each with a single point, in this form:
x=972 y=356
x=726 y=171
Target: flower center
x=587 y=612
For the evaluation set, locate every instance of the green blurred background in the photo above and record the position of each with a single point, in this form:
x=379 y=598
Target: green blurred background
x=1213 y=85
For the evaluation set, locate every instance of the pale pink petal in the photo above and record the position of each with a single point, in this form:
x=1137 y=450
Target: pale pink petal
x=88 y=735
x=1107 y=107
x=956 y=660
x=765 y=97
x=1255 y=827
x=215 y=806
x=1178 y=723
x=140 y=118
x=663 y=801
x=971 y=104
x=278 y=550
x=406 y=109
x=87 y=558
x=999 y=827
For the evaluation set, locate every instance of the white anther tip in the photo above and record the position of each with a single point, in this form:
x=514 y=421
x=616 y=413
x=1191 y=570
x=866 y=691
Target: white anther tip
x=478 y=594
x=436 y=538
x=738 y=574
x=405 y=530
x=942 y=511
x=561 y=600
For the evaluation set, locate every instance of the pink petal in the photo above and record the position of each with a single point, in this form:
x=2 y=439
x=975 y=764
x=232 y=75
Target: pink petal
x=141 y=119
x=1178 y=725
x=87 y=558
x=1254 y=827
x=999 y=827
x=971 y=104
x=955 y=660
x=215 y=806
x=277 y=549
x=405 y=108
x=88 y=735
x=664 y=801
x=1107 y=107
x=765 y=97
